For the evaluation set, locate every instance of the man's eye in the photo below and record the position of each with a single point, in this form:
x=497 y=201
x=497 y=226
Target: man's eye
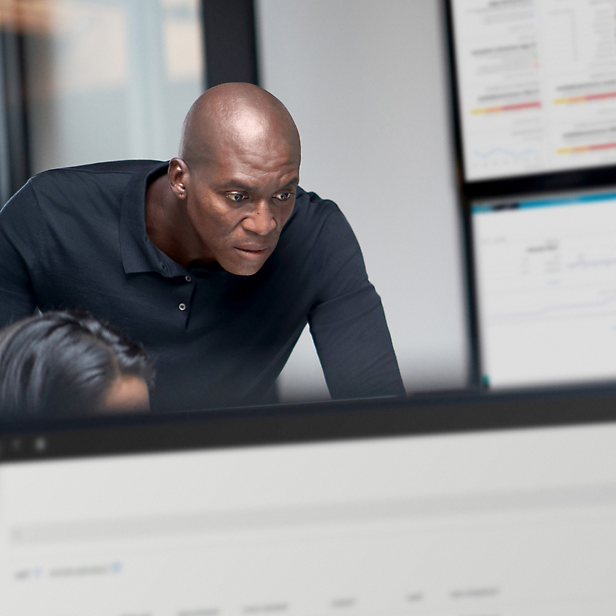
x=283 y=196
x=236 y=197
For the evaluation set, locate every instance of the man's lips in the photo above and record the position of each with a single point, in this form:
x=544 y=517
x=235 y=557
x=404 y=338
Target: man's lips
x=252 y=251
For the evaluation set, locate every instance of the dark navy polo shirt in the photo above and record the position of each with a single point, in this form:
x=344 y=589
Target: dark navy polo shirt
x=75 y=238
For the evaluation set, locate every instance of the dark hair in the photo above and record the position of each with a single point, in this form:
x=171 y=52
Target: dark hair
x=63 y=363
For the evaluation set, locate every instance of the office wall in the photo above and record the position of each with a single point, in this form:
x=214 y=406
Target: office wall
x=366 y=82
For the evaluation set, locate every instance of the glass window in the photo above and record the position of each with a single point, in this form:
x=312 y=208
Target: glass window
x=107 y=79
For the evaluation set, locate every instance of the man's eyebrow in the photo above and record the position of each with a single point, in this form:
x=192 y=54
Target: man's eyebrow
x=237 y=185
x=292 y=182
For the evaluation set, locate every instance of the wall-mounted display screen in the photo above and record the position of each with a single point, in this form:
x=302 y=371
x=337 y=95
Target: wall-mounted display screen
x=536 y=85
x=546 y=296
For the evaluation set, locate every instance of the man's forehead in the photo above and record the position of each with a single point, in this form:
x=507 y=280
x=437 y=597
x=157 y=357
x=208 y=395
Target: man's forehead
x=246 y=169
x=251 y=136
x=271 y=151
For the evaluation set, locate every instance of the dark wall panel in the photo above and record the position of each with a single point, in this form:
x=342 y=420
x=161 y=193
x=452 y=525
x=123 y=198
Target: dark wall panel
x=15 y=118
x=230 y=41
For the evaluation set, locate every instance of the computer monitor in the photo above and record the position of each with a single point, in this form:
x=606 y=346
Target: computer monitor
x=534 y=85
x=545 y=288
x=534 y=101
x=472 y=505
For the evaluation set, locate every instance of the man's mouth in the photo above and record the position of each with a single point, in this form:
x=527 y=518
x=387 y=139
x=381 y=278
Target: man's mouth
x=251 y=252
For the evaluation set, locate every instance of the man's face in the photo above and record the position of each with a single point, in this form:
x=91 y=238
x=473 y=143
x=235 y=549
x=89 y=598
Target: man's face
x=238 y=204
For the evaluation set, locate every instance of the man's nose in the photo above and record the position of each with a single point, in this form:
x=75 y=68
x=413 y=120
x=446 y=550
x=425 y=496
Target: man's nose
x=260 y=220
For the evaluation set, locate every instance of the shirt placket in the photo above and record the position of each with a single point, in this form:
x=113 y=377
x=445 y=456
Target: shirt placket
x=184 y=297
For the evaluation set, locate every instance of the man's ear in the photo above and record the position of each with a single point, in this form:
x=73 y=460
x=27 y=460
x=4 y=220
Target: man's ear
x=178 y=177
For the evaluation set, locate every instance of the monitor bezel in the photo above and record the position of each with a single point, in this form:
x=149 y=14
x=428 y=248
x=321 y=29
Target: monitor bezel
x=420 y=415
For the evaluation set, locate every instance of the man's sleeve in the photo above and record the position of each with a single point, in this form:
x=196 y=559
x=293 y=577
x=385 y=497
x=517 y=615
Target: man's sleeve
x=18 y=237
x=348 y=322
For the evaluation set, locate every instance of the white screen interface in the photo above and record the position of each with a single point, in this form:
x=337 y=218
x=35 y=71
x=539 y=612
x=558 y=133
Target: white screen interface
x=536 y=85
x=516 y=523
x=546 y=290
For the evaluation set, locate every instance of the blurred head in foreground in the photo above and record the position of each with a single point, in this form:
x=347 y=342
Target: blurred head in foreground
x=68 y=364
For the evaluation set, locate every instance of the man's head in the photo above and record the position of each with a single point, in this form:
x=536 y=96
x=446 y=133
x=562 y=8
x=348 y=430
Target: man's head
x=236 y=176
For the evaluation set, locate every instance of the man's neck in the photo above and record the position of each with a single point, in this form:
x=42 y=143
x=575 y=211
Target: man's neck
x=160 y=220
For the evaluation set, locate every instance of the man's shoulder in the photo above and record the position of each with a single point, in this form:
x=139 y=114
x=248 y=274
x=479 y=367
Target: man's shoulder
x=126 y=168
x=317 y=226
x=311 y=209
x=89 y=186
x=77 y=191
x=312 y=198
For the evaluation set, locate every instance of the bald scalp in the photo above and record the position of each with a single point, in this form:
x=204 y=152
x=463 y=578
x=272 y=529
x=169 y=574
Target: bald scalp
x=234 y=115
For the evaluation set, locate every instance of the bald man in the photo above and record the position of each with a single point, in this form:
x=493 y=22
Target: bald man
x=215 y=260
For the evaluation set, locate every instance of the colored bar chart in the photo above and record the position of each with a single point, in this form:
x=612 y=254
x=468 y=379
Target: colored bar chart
x=586 y=148
x=502 y=108
x=583 y=99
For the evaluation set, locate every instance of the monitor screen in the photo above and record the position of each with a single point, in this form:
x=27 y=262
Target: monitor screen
x=546 y=298
x=438 y=521
x=536 y=86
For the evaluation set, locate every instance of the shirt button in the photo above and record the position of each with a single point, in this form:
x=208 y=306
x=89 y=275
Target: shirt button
x=182 y=306
x=187 y=278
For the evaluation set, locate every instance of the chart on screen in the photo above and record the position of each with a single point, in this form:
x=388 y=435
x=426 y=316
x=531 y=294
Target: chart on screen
x=546 y=279
x=536 y=85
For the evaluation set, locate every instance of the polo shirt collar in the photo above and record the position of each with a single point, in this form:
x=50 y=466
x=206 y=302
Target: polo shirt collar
x=138 y=253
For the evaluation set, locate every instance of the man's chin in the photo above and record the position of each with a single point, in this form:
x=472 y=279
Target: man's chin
x=244 y=262
x=242 y=268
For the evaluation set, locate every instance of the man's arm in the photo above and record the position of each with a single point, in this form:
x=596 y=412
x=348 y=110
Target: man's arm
x=348 y=323
x=17 y=242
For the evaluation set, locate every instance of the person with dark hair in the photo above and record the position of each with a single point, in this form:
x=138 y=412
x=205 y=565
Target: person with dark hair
x=70 y=364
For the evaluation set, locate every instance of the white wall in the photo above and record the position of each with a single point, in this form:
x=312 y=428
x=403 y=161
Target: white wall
x=366 y=81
